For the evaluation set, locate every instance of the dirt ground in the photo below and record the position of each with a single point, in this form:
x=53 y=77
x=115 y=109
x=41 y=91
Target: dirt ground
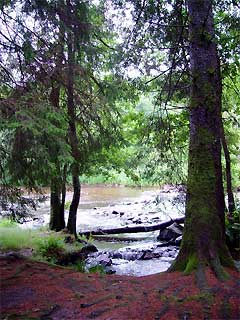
x=33 y=290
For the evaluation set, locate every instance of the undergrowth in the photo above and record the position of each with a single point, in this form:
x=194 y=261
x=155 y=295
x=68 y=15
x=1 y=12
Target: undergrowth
x=12 y=237
x=47 y=246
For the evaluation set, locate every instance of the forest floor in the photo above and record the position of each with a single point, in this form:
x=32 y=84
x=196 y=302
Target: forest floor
x=35 y=290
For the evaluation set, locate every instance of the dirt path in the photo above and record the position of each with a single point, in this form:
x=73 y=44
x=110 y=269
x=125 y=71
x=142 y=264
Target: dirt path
x=33 y=290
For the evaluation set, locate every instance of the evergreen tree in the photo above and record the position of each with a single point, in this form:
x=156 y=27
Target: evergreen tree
x=204 y=233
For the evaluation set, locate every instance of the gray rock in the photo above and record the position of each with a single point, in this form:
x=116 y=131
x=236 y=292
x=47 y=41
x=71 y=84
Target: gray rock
x=148 y=255
x=95 y=259
x=116 y=255
x=170 y=233
x=178 y=240
x=158 y=252
x=104 y=260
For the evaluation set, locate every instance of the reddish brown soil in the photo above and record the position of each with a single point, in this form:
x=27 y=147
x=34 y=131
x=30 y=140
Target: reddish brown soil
x=33 y=290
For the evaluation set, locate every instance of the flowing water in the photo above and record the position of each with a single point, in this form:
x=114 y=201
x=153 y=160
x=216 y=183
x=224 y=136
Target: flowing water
x=112 y=207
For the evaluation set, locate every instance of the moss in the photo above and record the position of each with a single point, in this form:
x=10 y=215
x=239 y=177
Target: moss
x=203 y=296
x=211 y=70
x=218 y=269
x=191 y=264
x=178 y=265
x=225 y=258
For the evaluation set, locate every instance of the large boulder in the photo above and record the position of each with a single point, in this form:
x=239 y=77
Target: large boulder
x=172 y=232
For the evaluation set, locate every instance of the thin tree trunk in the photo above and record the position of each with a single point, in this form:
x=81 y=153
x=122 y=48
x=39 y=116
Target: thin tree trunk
x=231 y=201
x=72 y=131
x=63 y=190
x=72 y=219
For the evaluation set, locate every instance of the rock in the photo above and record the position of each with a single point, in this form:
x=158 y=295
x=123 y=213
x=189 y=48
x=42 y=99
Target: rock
x=147 y=255
x=110 y=271
x=171 y=232
x=137 y=221
x=127 y=254
x=90 y=248
x=97 y=259
x=115 y=212
x=178 y=240
x=70 y=258
x=121 y=214
x=172 y=254
x=165 y=254
x=158 y=252
x=104 y=260
x=167 y=188
x=116 y=255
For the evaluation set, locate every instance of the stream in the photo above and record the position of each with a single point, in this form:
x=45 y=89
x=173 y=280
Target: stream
x=117 y=206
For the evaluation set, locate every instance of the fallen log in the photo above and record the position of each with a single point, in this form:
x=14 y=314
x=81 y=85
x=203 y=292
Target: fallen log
x=136 y=229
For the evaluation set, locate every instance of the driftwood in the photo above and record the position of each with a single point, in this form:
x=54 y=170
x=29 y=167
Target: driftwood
x=136 y=229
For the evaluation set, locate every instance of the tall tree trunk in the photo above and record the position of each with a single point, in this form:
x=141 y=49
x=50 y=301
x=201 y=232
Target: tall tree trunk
x=204 y=233
x=57 y=221
x=231 y=201
x=72 y=131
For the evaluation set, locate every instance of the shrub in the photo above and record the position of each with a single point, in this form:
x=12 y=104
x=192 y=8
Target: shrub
x=51 y=248
x=97 y=269
x=80 y=266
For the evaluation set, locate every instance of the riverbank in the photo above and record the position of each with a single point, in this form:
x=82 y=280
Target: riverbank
x=110 y=207
x=34 y=290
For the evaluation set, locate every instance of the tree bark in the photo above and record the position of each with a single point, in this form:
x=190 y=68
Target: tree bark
x=72 y=131
x=204 y=232
x=63 y=190
x=136 y=229
x=72 y=218
x=57 y=221
x=231 y=201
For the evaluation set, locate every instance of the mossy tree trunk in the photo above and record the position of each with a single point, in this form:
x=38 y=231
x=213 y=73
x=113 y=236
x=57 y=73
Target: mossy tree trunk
x=204 y=233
